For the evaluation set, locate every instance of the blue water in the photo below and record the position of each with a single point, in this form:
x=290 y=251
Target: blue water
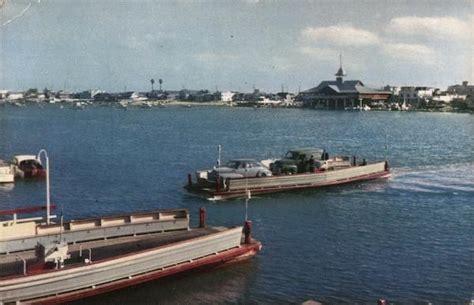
x=409 y=239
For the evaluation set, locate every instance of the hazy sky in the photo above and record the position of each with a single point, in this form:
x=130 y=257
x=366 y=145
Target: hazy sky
x=234 y=45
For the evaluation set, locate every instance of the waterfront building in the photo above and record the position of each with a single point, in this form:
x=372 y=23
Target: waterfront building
x=12 y=96
x=414 y=95
x=3 y=94
x=227 y=96
x=463 y=89
x=395 y=90
x=340 y=94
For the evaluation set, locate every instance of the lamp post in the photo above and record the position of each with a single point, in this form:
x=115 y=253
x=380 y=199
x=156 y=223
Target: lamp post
x=48 y=203
x=219 y=149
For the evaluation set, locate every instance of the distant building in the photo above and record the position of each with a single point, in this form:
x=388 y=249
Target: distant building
x=64 y=95
x=227 y=96
x=394 y=89
x=414 y=95
x=447 y=97
x=15 y=96
x=340 y=94
x=463 y=89
x=3 y=94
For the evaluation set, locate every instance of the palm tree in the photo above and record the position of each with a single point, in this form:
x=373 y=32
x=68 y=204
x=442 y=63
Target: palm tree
x=152 y=81
x=161 y=82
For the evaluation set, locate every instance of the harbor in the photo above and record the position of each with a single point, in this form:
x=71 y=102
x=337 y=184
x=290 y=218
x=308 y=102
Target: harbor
x=236 y=152
x=354 y=236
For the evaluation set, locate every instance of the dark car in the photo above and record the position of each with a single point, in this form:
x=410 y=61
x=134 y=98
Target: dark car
x=297 y=160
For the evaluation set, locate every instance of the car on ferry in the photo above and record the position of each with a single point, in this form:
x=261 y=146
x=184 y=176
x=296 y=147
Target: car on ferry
x=297 y=160
x=240 y=168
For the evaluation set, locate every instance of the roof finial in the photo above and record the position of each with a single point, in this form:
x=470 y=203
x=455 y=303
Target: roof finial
x=340 y=73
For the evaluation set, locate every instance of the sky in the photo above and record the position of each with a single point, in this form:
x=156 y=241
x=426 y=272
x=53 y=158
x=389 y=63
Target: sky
x=117 y=45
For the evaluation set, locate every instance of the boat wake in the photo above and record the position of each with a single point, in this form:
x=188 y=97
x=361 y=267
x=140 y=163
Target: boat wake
x=454 y=179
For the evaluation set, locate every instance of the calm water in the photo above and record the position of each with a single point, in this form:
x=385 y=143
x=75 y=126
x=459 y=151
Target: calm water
x=408 y=239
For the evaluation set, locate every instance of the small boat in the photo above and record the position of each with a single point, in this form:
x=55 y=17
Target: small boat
x=7 y=173
x=293 y=172
x=81 y=258
x=28 y=166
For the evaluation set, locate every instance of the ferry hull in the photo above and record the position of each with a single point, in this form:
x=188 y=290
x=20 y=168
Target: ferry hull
x=235 y=188
x=82 y=280
x=228 y=257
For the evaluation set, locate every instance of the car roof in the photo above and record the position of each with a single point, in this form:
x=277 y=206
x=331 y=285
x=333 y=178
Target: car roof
x=21 y=158
x=243 y=160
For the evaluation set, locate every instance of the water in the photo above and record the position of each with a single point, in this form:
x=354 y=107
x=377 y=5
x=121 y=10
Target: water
x=408 y=239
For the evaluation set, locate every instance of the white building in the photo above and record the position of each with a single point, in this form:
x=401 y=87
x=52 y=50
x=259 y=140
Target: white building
x=227 y=96
x=447 y=97
x=3 y=94
x=394 y=89
x=15 y=96
x=413 y=95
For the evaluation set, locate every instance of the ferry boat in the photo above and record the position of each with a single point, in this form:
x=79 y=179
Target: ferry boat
x=86 y=257
x=290 y=173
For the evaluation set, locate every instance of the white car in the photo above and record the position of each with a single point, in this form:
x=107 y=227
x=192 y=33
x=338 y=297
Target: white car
x=240 y=168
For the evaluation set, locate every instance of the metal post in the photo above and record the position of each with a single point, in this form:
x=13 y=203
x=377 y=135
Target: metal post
x=24 y=264
x=202 y=217
x=247 y=232
x=48 y=203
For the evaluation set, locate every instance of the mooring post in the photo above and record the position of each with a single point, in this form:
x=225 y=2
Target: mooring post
x=248 y=231
x=202 y=217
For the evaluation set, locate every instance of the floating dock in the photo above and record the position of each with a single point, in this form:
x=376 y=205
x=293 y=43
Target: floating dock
x=87 y=257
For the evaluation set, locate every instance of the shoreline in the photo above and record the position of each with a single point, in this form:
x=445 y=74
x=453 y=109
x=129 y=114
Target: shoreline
x=83 y=103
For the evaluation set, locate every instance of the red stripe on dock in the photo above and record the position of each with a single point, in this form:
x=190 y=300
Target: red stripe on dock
x=25 y=210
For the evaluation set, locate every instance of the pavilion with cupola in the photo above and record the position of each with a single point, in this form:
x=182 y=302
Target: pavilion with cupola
x=341 y=94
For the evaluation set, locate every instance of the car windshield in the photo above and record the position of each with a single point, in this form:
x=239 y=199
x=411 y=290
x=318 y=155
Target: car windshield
x=233 y=164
